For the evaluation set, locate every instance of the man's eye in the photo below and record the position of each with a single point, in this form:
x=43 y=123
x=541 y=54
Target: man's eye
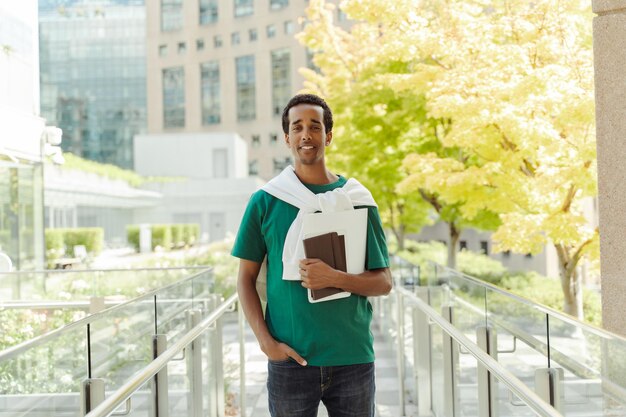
x=315 y=128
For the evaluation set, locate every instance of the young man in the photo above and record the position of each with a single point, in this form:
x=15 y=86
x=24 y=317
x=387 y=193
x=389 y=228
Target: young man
x=316 y=351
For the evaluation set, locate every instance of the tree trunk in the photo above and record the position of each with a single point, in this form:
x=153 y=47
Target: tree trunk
x=570 y=283
x=453 y=240
x=399 y=233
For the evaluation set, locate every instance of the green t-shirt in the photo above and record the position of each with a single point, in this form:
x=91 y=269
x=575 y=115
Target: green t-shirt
x=329 y=333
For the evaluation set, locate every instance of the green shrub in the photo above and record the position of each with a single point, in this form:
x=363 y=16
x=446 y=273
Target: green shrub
x=192 y=233
x=90 y=237
x=531 y=285
x=178 y=235
x=161 y=236
x=61 y=242
x=55 y=246
x=132 y=236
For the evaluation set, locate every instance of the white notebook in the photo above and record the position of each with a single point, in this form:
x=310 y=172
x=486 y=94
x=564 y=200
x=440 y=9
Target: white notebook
x=352 y=224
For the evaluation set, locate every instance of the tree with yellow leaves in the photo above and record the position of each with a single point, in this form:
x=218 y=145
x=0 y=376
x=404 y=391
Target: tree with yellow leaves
x=512 y=80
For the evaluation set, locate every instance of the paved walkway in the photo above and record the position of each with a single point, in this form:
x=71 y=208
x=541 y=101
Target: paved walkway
x=387 y=396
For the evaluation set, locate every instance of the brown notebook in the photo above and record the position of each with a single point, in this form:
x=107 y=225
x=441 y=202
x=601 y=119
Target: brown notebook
x=331 y=249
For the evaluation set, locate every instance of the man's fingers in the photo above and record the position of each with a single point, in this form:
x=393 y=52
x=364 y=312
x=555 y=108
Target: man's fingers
x=292 y=353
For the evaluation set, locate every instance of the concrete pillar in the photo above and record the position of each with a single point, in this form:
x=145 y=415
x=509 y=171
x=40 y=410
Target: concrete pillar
x=609 y=39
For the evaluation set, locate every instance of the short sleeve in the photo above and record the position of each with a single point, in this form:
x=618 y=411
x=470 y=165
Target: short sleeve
x=377 y=255
x=249 y=243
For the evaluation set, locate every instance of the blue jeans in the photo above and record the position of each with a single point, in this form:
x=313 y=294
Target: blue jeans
x=296 y=391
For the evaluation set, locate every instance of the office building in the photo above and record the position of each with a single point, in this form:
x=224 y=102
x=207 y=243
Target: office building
x=21 y=128
x=93 y=75
x=225 y=66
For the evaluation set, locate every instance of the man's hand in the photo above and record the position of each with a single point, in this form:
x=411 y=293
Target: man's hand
x=317 y=274
x=277 y=351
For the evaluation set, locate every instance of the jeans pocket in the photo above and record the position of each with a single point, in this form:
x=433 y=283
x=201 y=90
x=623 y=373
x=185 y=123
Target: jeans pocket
x=280 y=362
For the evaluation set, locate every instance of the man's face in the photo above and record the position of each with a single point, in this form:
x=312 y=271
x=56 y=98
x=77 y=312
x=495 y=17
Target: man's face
x=307 y=135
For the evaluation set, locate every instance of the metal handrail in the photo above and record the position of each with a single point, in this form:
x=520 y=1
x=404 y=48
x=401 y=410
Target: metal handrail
x=29 y=344
x=141 y=377
x=78 y=271
x=511 y=381
x=544 y=309
x=80 y=305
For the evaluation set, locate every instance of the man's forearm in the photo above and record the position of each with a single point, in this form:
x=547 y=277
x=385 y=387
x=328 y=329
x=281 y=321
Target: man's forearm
x=368 y=283
x=251 y=304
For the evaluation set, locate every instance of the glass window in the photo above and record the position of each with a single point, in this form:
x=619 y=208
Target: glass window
x=253 y=35
x=309 y=61
x=171 y=15
x=253 y=167
x=278 y=4
x=210 y=84
x=235 y=39
x=484 y=247
x=21 y=215
x=217 y=41
x=174 y=97
x=208 y=11
x=244 y=8
x=162 y=50
x=199 y=44
x=256 y=141
x=273 y=138
x=281 y=80
x=246 y=88
x=182 y=47
x=271 y=31
x=288 y=27
x=280 y=164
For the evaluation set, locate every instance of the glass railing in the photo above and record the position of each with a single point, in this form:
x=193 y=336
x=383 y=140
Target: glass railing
x=44 y=375
x=40 y=301
x=578 y=368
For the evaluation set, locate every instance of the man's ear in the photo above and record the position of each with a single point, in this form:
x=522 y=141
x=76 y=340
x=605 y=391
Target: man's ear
x=329 y=138
x=287 y=139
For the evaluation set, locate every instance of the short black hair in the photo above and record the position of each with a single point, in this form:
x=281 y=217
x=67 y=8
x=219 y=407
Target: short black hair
x=308 y=99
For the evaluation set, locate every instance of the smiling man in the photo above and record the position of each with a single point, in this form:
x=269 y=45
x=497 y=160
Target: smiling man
x=316 y=351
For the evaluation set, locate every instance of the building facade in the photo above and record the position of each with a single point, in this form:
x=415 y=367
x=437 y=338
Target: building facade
x=210 y=184
x=225 y=66
x=93 y=75
x=21 y=128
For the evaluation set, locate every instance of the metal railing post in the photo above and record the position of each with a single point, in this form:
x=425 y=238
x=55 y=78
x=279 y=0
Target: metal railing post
x=549 y=386
x=212 y=385
x=160 y=395
x=242 y=360
x=400 y=350
x=91 y=394
x=450 y=367
x=194 y=366
x=487 y=340
x=216 y=354
x=219 y=360
x=422 y=356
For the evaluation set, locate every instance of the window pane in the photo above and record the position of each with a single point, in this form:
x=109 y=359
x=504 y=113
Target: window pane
x=246 y=88
x=208 y=11
x=174 y=97
x=278 y=4
x=210 y=84
x=244 y=7
x=171 y=15
x=281 y=80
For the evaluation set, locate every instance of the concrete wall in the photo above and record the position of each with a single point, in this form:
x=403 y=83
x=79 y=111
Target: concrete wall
x=473 y=239
x=609 y=38
x=189 y=154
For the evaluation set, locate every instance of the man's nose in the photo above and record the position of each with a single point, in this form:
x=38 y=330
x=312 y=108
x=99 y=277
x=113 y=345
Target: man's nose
x=306 y=134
